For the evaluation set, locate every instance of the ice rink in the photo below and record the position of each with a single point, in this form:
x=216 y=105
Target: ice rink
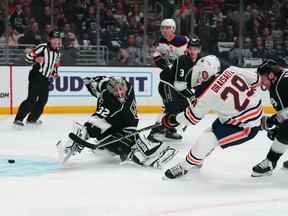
x=98 y=185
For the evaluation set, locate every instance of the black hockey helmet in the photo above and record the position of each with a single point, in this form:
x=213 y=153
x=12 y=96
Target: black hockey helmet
x=267 y=66
x=194 y=41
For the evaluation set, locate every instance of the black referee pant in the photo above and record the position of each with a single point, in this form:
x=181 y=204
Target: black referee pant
x=38 y=91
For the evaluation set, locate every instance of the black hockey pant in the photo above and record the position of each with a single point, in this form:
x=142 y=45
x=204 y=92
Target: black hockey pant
x=38 y=91
x=173 y=101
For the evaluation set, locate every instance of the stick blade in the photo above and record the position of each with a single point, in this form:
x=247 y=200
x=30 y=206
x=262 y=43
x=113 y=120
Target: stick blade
x=82 y=142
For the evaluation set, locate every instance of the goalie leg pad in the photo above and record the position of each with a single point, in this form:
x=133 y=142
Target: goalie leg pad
x=153 y=154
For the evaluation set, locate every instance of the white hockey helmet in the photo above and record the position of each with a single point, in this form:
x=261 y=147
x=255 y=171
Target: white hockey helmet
x=204 y=68
x=169 y=22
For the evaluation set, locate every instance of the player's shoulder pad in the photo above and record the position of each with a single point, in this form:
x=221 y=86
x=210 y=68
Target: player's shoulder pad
x=283 y=79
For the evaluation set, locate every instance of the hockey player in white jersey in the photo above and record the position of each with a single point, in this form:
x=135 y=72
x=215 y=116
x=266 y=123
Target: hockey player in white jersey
x=234 y=96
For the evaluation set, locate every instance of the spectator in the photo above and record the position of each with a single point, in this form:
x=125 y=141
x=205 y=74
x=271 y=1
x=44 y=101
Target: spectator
x=134 y=53
x=247 y=46
x=45 y=18
x=12 y=37
x=45 y=33
x=230 y=33
x=17 y=19
x=136 y=14
x=70 y=51
x=258 y=49
x=32 y=36
x=89 y=25
x=279 y=50
x=27 y=13
x=119 y=13
x=60 y=17
x=269 y=51
x=2 y=23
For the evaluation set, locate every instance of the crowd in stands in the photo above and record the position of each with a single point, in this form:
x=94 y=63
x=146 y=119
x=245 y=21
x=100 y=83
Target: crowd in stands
x=119 y=25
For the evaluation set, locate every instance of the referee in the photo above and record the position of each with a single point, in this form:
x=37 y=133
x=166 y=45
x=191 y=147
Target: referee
x=45 y=58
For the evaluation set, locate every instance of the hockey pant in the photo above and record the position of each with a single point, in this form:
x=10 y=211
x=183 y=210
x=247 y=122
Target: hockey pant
x=173 y=101
x=219 y=134
x=122 y=147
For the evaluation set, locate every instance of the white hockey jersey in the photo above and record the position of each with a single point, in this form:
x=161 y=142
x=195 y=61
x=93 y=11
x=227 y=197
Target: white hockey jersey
x=234 y=96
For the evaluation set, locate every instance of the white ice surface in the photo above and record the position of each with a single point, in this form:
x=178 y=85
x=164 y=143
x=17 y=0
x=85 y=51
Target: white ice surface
x=99 y=186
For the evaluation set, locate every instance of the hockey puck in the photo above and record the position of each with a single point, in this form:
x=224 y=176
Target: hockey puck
x=285 y=164
x=11 y=161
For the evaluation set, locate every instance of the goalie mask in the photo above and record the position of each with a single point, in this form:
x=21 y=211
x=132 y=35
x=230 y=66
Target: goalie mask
x=204 y=68
x=117 y=86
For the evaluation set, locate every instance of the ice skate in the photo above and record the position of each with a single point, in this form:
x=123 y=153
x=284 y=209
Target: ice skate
x=175 y=171
x=172 y=134
x=156 y=134
x=34 y=123
x=264 y=168
x=18 y=124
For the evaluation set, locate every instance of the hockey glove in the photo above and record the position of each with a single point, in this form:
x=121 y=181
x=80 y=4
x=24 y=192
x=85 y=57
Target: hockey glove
x=169 y=121
x=54 y=74
x=267 y=123
x=87 y=80
x=189 y=94
x=271 y=134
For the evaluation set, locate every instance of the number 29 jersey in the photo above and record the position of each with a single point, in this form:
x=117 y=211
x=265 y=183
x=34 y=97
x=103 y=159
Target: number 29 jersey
x=234 y=96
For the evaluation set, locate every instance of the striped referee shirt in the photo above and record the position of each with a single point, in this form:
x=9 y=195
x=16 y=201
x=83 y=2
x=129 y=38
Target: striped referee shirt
x=51 y=59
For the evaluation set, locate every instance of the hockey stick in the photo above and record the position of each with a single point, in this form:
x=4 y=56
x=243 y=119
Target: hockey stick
x=63 y=158
x=100 y=144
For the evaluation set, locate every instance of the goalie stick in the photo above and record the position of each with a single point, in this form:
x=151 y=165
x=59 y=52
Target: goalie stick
x=100 y=144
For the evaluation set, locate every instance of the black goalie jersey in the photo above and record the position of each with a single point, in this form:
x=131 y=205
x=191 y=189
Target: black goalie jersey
x=117 y=114
x=179 y=76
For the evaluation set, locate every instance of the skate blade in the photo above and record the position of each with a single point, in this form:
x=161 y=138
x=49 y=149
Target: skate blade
x=256 y=175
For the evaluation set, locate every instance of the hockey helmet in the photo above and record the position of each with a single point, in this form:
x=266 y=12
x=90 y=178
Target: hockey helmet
x=117 y=86
x=194 y=41
x=169 y=22
x=54 y=34
x=267 y=66
x=204 y=68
